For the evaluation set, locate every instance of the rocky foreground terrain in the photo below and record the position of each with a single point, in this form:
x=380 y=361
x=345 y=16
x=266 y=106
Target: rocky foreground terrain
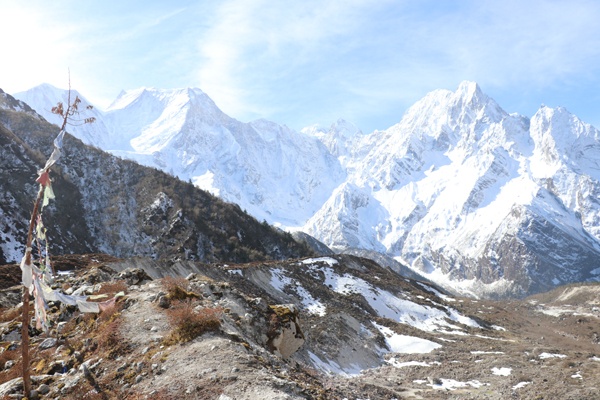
x=337 y=327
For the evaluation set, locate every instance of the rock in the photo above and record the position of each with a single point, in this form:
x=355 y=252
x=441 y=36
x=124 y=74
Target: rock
x=260 y=303
x=285 y=335
x=77 y=356
x=48 y=343
x=13 y=336
x=192 y=276
x=134 y=276
x=43 y=389
x=434 y=381
x=139 y=366
x=164 y=302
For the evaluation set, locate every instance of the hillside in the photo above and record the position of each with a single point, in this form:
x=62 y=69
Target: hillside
x=107 y=204
x=318 y=328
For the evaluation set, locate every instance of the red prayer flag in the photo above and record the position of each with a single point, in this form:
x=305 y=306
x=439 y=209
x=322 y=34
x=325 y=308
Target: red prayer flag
x=44 y=178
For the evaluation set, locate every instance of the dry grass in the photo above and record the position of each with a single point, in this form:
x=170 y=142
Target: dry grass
x=113 y=287
x=9 y=314
x=110 y=341
x=187 y=324
x=16 y=370
x=178 y=288
x=108 y=335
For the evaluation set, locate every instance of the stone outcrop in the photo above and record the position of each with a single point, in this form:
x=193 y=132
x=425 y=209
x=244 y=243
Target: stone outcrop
x=285 y=335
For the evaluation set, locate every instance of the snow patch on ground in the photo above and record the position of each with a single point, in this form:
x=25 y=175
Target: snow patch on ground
x=331 y=367
x=451 y=384
x=436 y=292
x=406 y=344
x=503 y=371
x=520 y=385
x=279 y=281
x=388 y=305
x=393 y=362
x=544 y=356
x=328 y=260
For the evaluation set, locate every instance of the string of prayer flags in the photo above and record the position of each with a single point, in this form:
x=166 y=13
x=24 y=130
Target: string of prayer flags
x=36 y=279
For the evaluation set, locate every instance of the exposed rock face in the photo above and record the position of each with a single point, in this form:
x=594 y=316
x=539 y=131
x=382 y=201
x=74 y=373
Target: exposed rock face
x=285 y=334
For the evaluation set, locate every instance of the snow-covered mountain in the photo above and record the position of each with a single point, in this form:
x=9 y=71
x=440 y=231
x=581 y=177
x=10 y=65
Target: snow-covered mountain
x=273 y=172
x=479 y=200
x=475 y=198
x=45 y=96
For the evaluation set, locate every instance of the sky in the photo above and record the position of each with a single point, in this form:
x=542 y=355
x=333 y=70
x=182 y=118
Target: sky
x=300 y=63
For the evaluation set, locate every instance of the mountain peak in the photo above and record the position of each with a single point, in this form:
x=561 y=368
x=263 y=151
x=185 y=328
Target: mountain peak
x=344 y=128
x=469 y=89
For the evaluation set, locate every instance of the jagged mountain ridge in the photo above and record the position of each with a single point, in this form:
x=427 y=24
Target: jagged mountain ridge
x=463 y=191
x=106 y=204
x=266 y=168
x=480 y=200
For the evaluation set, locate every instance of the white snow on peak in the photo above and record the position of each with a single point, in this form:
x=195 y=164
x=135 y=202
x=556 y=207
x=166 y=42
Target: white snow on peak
x=444 y=190
x=44 y=97
x=273 y=172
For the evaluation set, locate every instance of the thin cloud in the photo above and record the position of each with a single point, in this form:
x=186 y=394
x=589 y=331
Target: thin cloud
x=259 y=47
x=304 y=62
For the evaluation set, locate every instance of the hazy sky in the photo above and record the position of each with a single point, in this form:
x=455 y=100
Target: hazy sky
x=304 y=62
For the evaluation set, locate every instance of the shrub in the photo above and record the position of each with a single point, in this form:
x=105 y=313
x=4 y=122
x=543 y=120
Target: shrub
x=110 y=341
x=15 y=370
x=187 y=324
x=178 y=288
x=112 y=287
